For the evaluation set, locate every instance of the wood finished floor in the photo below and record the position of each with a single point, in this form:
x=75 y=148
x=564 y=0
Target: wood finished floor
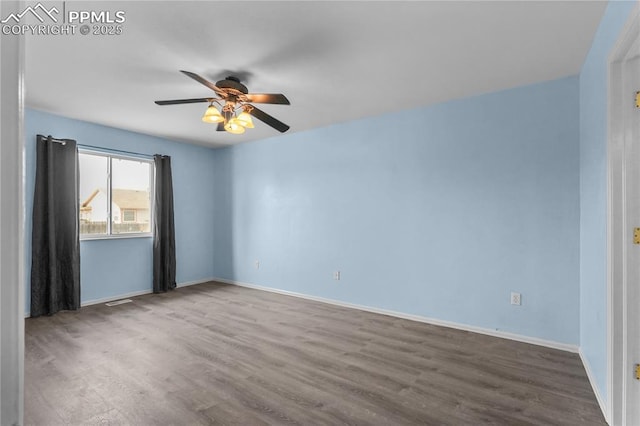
x=220 y=354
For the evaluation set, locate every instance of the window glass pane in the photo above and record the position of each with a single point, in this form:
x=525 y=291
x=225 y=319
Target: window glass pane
x=93 y=194
x=130 y=201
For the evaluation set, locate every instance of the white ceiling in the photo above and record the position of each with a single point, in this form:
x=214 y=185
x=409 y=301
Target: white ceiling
x=335 y=61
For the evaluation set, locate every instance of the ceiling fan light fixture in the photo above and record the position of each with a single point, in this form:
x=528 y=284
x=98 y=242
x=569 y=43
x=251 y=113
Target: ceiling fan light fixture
x=233 y=126
x=212 y=115
x=232 y=98
x=244 y=119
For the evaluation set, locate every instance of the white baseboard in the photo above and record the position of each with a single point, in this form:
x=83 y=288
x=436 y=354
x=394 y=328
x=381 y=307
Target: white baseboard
x=188 y=283
x=596 y=390
x=132 y=294
x=495 y=333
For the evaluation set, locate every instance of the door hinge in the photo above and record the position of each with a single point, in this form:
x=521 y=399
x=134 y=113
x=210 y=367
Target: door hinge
x=637 y=99
x=637 y=371
x=636 y=235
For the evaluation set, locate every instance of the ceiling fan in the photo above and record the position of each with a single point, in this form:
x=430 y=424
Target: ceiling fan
x=235 y=103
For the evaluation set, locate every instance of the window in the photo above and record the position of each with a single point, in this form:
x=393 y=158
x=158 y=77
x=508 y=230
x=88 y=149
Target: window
x=115 y=195
x=129 y=215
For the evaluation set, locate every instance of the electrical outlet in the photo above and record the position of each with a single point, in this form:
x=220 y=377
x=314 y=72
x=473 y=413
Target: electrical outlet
x=516 y=299
x=336 y=275
x=257 y=264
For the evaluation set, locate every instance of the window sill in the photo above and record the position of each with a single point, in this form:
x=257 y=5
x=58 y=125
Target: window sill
x=115 y=237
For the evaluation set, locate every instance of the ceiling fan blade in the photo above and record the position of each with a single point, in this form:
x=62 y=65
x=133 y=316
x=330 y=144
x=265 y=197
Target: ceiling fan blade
x=269 y=120
x=207 y=83
x=268 y=98
x=184 y=101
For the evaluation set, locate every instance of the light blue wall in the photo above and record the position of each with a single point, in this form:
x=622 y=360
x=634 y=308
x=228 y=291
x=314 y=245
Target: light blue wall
x=110 y=268
x=439 y=211
x=593 y=192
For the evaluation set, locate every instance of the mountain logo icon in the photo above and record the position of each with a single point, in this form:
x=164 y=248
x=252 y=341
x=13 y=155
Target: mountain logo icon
x=39 y=11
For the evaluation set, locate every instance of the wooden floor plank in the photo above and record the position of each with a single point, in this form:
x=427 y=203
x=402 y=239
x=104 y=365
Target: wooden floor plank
x=220 y=354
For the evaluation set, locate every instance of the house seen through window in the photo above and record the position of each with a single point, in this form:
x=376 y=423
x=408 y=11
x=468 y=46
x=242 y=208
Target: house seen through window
x=115 y=195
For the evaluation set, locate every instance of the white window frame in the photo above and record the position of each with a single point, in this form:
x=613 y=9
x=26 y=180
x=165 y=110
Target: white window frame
x=110 y=156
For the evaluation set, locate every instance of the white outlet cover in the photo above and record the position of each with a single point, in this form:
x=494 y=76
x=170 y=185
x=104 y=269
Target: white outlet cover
x=516 y=299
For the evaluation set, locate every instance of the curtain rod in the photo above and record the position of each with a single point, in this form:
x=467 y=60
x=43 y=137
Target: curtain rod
x=99 y=148
x=52 y=139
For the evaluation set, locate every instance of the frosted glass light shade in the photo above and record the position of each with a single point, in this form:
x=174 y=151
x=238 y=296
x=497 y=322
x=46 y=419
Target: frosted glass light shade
x=244 y=119
x=233 y=126
x=212 y=115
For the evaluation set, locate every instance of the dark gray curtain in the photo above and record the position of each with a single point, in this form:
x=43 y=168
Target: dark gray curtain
x=55 y=242
x=164 y=235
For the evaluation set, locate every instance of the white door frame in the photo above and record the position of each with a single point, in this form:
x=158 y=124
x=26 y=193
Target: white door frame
x=12 y=220
x=623 y=215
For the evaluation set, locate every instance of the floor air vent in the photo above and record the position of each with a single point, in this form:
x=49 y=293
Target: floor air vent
x=118 y=302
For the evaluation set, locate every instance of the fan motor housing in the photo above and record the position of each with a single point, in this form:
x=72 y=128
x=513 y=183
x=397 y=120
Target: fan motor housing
x=232 y=83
